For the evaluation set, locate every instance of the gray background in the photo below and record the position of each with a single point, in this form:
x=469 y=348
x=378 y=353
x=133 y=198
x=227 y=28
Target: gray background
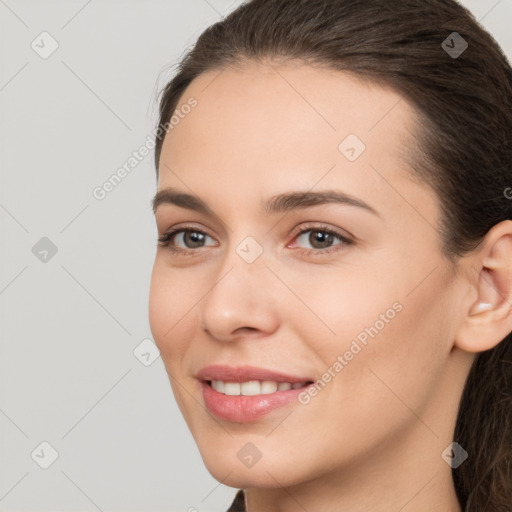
x=71 y=321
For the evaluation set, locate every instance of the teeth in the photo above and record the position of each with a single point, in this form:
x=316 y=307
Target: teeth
x=268 y=386
x=253 y=387
x=250 y=388
x=218 y=385
x=231 y=388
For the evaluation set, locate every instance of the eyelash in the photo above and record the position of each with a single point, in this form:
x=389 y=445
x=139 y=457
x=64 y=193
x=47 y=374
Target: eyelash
x=166 y=238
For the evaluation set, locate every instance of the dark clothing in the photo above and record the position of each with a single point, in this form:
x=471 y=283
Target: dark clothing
x=238 y=504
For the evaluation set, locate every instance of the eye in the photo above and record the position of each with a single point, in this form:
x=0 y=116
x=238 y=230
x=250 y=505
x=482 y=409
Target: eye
x=192 y=238
x=321 y=239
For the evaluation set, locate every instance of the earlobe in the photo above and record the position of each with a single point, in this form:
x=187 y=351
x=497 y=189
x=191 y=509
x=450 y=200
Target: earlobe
x=489 y=319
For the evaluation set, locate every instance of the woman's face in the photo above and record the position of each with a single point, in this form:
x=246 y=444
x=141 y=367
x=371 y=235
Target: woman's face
x=267 y=287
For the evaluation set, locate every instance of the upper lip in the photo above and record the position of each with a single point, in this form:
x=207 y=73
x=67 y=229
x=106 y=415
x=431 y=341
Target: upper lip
x=245 y=373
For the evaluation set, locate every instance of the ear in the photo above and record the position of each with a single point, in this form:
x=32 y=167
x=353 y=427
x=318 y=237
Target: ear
x=489 y=319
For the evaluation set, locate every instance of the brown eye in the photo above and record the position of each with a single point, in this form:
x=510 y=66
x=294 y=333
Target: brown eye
x=193 y=239
x=321 y=240
x=187 y=239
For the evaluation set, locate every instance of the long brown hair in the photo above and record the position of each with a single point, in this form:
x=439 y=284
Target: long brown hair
x=463 y=150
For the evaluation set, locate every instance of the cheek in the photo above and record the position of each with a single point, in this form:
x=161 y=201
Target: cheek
x=390 y=341
x=168 y=321
x=329 y=309
x=169 y=303
x=404 y=362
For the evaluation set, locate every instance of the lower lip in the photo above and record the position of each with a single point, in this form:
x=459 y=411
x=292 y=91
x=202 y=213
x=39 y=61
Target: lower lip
x=241 y=409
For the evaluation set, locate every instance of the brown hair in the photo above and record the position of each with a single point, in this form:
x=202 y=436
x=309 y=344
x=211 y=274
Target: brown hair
x=463 y=151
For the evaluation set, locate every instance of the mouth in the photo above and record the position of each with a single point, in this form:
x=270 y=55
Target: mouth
x=246 y=393
x=244 y=402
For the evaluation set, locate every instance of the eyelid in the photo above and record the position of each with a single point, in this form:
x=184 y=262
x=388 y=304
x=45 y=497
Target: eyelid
x=165 y=239
x=345 y=241
x=321 y=226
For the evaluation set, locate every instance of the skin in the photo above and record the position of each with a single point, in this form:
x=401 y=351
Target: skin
x=372 y=438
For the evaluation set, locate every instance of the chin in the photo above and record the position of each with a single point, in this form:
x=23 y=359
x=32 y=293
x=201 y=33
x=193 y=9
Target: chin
x=229 y=470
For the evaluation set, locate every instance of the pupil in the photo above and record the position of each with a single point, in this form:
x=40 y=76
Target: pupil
x=194 y=238
x=321 y=237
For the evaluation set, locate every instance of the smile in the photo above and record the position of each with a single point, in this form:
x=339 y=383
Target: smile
x=253 y=387
x=232 y=404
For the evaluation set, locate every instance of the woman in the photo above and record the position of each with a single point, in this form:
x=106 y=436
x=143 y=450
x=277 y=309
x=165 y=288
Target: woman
x=332 y=289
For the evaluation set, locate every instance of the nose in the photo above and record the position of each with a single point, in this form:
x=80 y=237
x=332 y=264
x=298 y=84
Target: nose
x=241 y=301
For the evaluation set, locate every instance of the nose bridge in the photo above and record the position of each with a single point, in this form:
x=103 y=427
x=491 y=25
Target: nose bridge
x=240 y=296
x=244 y=263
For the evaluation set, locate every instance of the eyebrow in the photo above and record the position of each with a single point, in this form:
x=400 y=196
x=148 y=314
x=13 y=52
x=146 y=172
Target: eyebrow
x=276 y=204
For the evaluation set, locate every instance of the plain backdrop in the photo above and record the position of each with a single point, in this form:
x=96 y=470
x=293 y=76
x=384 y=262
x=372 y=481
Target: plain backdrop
x=87 y=416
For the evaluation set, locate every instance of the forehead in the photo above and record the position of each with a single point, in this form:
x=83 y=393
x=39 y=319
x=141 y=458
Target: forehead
x=289 y=108
x=266 y=128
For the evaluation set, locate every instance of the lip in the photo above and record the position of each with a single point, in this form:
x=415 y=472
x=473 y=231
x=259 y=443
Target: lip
x=245 y=373
x=239 y=408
